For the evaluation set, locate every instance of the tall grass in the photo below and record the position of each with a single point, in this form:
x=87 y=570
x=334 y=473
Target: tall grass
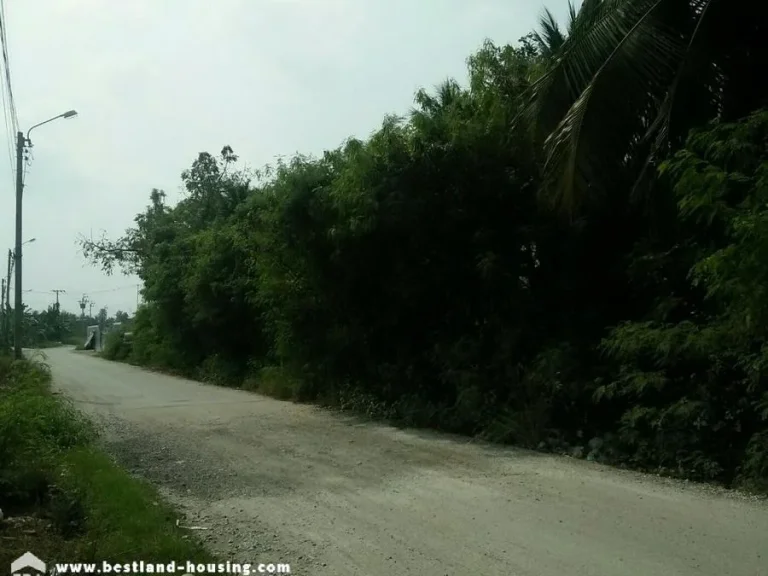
x=80 y=505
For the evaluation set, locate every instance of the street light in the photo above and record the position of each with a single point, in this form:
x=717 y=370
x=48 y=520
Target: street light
x=21 y=143
x=29 y=241
x=24 y=244
x=67 y=114
x=12 y=258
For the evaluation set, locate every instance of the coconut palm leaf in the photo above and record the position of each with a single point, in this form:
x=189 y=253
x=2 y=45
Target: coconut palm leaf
x=661 y=124
x=550 y=38
x=613 y=68
x=633 y=77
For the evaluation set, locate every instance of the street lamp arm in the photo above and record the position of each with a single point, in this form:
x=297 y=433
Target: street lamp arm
x=67 y=114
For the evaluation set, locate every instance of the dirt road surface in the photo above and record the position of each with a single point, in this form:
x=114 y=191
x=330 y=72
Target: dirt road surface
x=279 y=482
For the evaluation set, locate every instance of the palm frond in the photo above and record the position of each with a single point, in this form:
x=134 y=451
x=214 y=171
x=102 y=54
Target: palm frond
x=549 y=96
x=549 y=38
x=573 y=15
x=610 y=70
x=661 y=123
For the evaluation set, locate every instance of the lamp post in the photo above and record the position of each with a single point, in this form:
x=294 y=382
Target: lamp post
x=21 y=143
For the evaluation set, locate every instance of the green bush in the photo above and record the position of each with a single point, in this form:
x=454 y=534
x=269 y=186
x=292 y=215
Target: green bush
x=35 y=429
x=753 y=472
x=690 y=379
x=117 y=346
x=274 y=382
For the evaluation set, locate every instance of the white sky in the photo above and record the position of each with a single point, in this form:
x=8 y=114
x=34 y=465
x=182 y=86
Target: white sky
x=156 y=82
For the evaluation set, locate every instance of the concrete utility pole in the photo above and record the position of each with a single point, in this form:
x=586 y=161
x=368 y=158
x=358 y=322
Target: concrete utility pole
x=6 y=303
x=2 y=313
x=57 y=292
x=83 y=301
x=8 y=281
x=90 y=308
x=18 y=309
x=21 y=143
x=58 y=315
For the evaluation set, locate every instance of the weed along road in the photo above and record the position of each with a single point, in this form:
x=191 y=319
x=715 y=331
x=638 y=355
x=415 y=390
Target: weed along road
x=274 y=481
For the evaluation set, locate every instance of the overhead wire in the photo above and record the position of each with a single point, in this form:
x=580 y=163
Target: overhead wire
x=9 y=107
x=69 y=295
x=6 y=60
x=8 y=130
x=104 y=291
x=132 y=286
x=11 y=121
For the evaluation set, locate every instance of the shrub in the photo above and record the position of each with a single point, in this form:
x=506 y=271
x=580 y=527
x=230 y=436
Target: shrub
x=117 y=346
x=35 y=428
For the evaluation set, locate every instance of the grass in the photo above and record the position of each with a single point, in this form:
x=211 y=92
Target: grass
x=126 y=518
x=273 y=382
x=63 y=498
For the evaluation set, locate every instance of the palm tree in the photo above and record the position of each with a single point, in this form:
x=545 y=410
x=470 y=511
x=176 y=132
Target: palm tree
x=633 y=76
x=550 y=38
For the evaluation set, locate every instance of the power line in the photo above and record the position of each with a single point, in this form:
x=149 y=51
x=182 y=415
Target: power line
x=9 y=132
x=113 y=289
x=119 y=288
x=9 y=107
x=6 y=60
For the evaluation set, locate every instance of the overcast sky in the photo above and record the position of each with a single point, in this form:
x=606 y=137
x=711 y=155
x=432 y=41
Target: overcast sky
x=156 y=82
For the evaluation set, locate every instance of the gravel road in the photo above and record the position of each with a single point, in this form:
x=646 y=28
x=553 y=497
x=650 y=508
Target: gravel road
x=278 y=482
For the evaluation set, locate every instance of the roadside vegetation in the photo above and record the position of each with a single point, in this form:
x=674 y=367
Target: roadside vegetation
x=61 y=497
x=55 y=327
x=567 y=251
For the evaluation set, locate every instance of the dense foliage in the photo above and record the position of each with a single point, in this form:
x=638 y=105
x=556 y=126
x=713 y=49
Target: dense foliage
x=565 y=252
x=54 y=326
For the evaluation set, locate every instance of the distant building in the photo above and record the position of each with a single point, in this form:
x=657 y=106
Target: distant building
x=93 y=339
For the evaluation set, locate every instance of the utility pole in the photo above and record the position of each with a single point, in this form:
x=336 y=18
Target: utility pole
x=3 y=312
x=18 y=308
x=57 y=296
x=58 y=313
x=83 y=301
x=8 y=281
x=21 y=143
x=90 y=308
x=6 y=303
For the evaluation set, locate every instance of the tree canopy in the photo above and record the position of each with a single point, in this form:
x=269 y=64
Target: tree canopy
x=565 y=248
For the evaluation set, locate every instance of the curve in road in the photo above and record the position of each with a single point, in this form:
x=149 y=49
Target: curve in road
x=281 y=482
